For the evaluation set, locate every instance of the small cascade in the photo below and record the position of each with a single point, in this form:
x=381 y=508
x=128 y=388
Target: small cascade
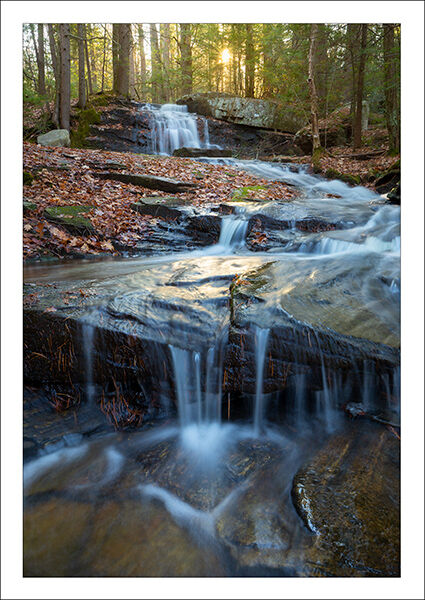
x=88 y=346
x=174 y=127
x=233 y=232
x=198 y=381
x=261 y=337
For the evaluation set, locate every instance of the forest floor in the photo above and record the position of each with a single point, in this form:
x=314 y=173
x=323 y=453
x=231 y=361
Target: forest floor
x=65 y=177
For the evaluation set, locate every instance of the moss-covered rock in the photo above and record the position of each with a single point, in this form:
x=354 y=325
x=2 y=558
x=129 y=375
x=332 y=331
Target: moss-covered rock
x=70 y=218
x=28 y=207
x=346 y=177
x=28 y=178
x=86 y=117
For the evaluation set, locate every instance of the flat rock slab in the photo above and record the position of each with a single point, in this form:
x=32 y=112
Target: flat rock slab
x=148 y=181
x=348 y=495
x=57 y=137
x=167 y=208
x=70 y=218
x=197 y=152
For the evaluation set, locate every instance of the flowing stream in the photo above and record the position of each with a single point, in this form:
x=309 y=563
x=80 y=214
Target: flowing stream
x=194 y=475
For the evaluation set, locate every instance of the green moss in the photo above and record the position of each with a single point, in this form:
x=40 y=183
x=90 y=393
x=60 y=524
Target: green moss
x=29 y=207
x=246 y=193
x=317 y=155
x=86 y=117
x=350 y=179
x=28 y=178
x=70 y=218
x=101 y=99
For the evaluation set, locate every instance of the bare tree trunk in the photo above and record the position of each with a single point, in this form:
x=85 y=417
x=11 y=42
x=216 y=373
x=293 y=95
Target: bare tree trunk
x=357 y=133
x=186 y=57
x=142 y=60
x=41 y=61
x=313 y=94
x=115 y=56
x=165 y=52
x=156 y=65
x=81 y=68
x=103 y=61
x=249 y=62
x=390 y=86
x=132 y=88
x=92 y=59
x=124 y=59
x=89 y=79
x=56 y=71
x=65 y=76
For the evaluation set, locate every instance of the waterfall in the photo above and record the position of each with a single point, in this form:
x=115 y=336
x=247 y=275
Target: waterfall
x=261 y=337
x=198 y=382
x=174 y=127
x=88 y=347
x=233 y=232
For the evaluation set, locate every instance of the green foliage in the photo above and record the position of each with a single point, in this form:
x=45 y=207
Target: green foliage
x=28 y=178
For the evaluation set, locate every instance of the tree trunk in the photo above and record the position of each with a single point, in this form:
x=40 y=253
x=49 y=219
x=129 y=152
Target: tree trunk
x=92 y=59
x=156 y=78
x=132 y=74
x=390 y=88
x=142 y=61
x=165 y=52
x=124 y=59
x=89 y=79
x=65 y=76
x=313 y=93
x=321 y=68
x=249 y=62
x=81 y=69
x=41 y=62
x=186 y=57
x=115 y=56
x=357 y=133
x=56 y=71
x=103 y=61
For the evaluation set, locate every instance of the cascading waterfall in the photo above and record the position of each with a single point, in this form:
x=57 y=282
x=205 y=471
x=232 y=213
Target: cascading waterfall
x=233 y=232
x=261 y=338
x=174 y=127
x=88 y=345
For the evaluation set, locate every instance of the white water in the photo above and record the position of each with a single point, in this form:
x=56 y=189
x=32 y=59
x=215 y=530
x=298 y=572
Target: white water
x=174 y=127
x=261 y=338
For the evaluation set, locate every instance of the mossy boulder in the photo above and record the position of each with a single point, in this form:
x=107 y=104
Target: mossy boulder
x=86 y=118
x=28 y=207
x=346 y=177
x=28 y=178
x=70 y=218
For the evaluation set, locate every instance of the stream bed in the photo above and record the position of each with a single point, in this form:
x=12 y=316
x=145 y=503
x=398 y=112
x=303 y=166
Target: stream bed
x=255 y=393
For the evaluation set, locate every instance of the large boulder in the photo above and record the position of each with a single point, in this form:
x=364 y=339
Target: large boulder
x=255 y=112
x=57 y=137
x=335 y=130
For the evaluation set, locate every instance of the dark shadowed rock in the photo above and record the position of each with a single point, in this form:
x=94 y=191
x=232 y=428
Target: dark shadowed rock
x=167 y=208
x=197 y=152
x=148 y=181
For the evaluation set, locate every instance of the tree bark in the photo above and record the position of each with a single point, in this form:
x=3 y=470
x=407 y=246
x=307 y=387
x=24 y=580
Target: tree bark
x=142 y=61
x=89 y=79
x=41 y=61
x=390 y=88
x=115 y=57
x=165 y=53
x=249 y=62
x=186 y=57
x=313 y=92
x=81 y=67
x=65 y=76
x=103 y=62
x=124 y=59
x=156 y=83
x=56 y=71
x=357 y=134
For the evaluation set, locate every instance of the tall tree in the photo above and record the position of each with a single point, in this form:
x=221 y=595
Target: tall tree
x=89 y=77
x=142 y=60
x=41 y=61
x=390 y=88
x=115 y=55
x=186 y=58
x=249 y=62
x=155 y=65
x=313 y=93
x=357 y=132
x=165 y=55
x=56 y=72
x=65 y=76
x=81 y=67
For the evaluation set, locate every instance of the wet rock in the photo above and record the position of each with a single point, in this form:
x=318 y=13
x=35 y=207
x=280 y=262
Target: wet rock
x=70 y=218
x=148 y=181
x=55 y=535
x=166 y=208
x=205 y=228
x=349 y=497
x=395 y=195
x=57 y=137
x=197 y=152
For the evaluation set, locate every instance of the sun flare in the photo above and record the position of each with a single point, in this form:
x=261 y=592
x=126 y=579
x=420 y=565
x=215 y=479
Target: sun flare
x=225 y=56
